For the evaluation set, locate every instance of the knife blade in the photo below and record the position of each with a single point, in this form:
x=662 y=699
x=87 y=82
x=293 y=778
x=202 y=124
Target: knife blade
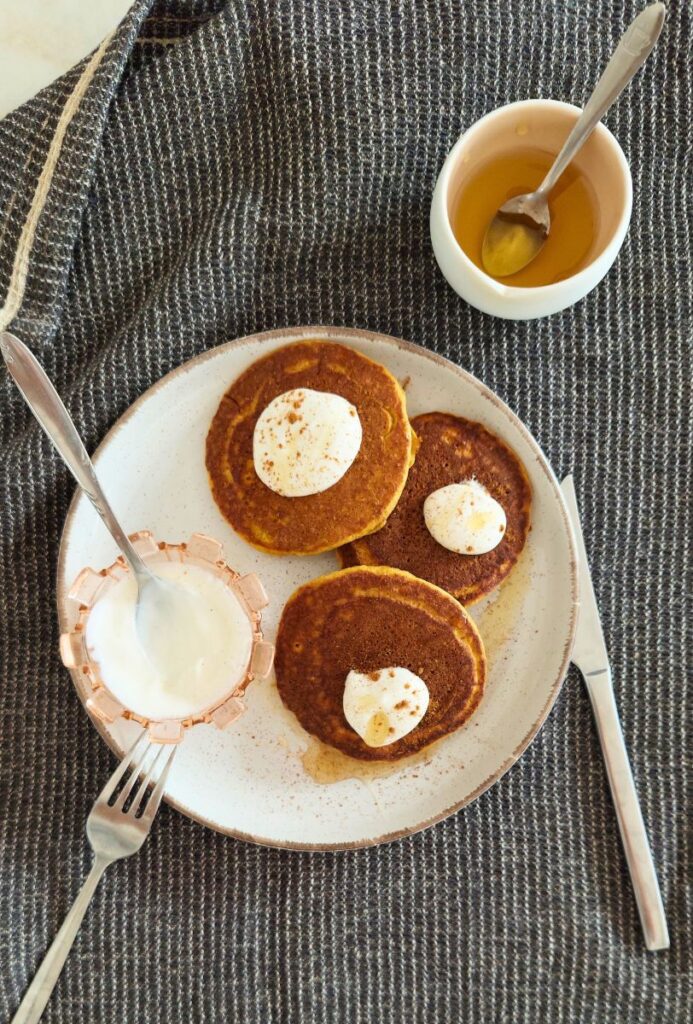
x=589 y=649
x=591 y=657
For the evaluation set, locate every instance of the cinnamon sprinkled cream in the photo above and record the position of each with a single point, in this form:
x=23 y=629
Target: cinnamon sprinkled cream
x=305 y=441
x=465 y=518
x=385 y=705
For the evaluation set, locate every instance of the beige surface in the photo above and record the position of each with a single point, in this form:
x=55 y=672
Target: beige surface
x=41 y=39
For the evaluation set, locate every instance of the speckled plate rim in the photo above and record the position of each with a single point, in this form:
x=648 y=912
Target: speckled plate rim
x=344 y=335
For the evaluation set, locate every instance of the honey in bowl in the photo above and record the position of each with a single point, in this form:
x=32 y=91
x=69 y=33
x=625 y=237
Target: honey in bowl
x=572 y=241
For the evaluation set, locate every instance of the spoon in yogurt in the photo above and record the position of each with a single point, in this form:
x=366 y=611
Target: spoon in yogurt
x=163 y=610
x=521 y=226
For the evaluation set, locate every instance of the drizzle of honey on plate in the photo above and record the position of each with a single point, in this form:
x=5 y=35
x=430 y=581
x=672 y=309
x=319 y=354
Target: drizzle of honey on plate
x=497 y=617
x=327 y=765
x=570 y=245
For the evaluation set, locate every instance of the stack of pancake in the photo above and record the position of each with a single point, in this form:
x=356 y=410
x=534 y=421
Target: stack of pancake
x=398 y=600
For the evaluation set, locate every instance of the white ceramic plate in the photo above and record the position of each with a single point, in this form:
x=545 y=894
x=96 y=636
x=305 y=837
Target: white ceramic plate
x=250 y=781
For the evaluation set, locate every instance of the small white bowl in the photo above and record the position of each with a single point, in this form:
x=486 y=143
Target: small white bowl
x=545 y=124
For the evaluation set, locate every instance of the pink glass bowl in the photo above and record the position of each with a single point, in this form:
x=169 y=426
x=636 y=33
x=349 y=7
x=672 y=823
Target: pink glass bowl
x=201 y=551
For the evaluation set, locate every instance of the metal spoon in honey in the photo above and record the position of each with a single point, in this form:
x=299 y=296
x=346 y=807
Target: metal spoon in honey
x=521 y=226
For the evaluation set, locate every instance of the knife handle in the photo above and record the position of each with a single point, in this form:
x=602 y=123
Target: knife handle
x=630 y=821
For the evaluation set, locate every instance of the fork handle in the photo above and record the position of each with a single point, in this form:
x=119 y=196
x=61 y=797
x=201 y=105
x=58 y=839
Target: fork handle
x=39 y=992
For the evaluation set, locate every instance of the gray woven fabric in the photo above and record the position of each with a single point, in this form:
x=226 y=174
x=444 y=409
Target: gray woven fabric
x=259 y=164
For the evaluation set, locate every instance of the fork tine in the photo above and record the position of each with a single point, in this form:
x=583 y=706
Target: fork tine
x=108 y=790
x=140 y=796
x=137 y=771
x=158 y=791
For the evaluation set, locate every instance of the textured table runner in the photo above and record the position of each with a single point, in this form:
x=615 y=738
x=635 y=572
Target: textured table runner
x=251 y=165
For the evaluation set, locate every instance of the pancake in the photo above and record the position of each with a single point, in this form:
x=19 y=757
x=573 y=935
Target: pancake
x=366 y=619
x=360 y=501
x=451 y=449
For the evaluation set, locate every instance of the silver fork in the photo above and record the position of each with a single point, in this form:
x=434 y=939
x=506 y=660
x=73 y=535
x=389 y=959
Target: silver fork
x=113 y=832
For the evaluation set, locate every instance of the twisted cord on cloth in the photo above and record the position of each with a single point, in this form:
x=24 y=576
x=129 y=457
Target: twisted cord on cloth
x=20 y=267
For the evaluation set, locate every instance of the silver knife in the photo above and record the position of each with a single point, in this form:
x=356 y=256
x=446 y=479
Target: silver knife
x=590 y=656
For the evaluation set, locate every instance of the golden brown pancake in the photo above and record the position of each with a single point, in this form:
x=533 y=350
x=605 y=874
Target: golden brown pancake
x=360 y=501
x=451 y=450
x=366 y=619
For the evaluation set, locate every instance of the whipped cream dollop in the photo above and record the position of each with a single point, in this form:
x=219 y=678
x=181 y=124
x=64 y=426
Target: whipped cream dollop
x=385 y=705
x=207 y=651
x=465 y=518
x=305 y=441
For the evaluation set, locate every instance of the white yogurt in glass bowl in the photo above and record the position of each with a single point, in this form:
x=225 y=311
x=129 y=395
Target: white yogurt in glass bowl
x=220 y=654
